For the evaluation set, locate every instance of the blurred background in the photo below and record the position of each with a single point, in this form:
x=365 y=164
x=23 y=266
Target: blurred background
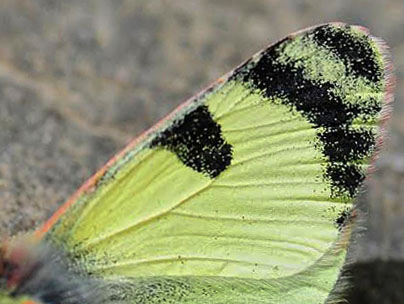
x=78 y=79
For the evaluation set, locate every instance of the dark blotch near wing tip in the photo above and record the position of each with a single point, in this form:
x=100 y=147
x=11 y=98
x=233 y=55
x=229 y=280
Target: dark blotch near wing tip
x=345 y=178
x=197 y=141
x=345 y=144
x=355 y=51
x=318 y=103
x=243 y=70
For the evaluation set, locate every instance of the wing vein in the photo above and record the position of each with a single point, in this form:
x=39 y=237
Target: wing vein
x=180 y=258
x=243 y=219
x=146 y=220
x=266 y=154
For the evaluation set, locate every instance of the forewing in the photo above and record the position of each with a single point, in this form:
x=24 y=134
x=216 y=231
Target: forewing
x=7 y=299
x=248 y=184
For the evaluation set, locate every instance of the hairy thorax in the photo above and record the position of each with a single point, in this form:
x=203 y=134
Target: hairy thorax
x=34 y=273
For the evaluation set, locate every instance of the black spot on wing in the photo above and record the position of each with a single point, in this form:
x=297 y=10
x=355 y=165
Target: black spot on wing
x=343 y=218
x=243 y=70
x=197 y=141
x=342 y=144
x=345 y=178
x=322 y=107
x=355 y=51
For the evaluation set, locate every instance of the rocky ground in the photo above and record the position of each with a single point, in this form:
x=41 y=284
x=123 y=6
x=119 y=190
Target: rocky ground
x=78 y=79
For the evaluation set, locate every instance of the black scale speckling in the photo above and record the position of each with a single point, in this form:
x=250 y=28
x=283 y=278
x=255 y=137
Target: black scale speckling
x=355 y=52
x=197 y=141
x=343 y=219
x=342 y=145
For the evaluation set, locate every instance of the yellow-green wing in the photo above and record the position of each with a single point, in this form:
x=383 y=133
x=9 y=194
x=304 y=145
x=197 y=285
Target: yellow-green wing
x=7 y=299
x=240 y=196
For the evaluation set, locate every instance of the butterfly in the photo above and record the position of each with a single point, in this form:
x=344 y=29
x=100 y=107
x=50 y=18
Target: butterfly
x=244 y=194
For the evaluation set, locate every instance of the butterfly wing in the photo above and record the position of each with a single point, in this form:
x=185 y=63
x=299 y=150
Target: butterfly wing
x=242 y=193
x=6 y=299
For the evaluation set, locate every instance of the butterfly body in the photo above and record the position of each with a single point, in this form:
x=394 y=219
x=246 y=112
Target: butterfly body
x=242 y=195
